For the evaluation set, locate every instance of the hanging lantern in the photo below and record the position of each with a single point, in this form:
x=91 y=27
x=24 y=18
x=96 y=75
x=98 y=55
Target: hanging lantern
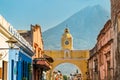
x=11 y=43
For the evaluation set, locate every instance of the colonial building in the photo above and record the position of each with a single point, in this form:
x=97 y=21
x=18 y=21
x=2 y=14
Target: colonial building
x=101 y=56
x=115 y=18
x=4 y=52
x=68 y=55
x=93 y=64
x=15 y=60
x=115 y=25
x=41 y=62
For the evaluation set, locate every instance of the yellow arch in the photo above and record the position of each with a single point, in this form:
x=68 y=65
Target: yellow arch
x=77 y=57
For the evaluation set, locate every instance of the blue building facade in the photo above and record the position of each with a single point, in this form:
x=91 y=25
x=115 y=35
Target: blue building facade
x=20 y=58
x=24 y=67
x=19 y=65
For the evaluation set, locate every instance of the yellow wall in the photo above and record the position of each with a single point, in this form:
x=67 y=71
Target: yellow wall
x=73 y=53
x=77 y=57
x=37 y=41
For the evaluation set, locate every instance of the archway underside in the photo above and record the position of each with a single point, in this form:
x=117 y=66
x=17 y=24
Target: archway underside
x=80 y=63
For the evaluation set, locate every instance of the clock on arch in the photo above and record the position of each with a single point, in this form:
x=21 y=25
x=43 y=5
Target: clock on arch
x=66 y=42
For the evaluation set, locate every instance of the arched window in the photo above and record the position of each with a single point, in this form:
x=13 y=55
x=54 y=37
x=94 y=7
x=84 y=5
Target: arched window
x=67 y=54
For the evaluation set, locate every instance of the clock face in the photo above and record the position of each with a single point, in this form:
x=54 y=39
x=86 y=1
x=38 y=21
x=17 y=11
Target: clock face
x=66 y=42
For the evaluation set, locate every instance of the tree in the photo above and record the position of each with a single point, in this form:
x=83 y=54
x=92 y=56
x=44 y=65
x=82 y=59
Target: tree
x=65 y=77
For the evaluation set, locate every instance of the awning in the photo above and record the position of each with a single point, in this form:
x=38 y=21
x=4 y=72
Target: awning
x=50 y=59
x=41 y=63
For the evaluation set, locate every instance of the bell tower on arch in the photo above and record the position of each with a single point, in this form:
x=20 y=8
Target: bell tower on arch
x=67 y=40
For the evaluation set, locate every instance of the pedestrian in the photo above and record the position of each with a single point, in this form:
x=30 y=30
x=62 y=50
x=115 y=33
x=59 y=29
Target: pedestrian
x=79 y=77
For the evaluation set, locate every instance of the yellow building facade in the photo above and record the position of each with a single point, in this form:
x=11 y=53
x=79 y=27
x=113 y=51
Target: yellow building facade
x=68 y=55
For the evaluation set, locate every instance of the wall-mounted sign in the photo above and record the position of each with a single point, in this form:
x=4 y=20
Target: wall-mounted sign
x=13 y=32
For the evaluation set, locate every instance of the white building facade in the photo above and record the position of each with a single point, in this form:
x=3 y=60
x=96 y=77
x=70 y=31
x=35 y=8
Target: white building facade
x=15 y=64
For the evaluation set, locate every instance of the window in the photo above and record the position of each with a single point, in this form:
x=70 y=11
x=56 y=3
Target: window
x=108 y=65
x=108 y=70
x=12 y=70
x=101 y=58
x=96 y=65
x=23 y=69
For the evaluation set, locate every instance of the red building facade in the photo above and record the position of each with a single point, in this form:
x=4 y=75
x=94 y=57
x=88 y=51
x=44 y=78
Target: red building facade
x=115 y=19
x=101 y=56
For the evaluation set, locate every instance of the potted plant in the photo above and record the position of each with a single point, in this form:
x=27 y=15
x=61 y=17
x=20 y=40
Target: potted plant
x=24 y=78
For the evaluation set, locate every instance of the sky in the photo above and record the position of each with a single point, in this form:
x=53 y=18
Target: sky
x=47 y=13
x=67 y=68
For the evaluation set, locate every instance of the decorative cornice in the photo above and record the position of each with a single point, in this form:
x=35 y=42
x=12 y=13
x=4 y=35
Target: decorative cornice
x=9 y=32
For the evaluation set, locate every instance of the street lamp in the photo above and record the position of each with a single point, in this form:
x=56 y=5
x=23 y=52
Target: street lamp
x=11 y=43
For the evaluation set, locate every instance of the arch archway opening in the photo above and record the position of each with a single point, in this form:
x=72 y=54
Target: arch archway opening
x=66 y=69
